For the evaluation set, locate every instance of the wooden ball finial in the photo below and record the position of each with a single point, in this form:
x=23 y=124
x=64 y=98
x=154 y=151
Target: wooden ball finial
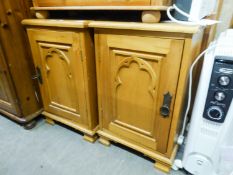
x=151 y=16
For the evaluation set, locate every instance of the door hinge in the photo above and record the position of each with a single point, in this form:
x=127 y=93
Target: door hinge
x=37 y=97
x=38 y=75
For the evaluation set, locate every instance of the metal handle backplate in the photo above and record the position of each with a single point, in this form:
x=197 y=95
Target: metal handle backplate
x=165 y=108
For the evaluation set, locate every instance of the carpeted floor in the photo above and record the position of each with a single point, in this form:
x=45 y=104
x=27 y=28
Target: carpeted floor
x=57 y=150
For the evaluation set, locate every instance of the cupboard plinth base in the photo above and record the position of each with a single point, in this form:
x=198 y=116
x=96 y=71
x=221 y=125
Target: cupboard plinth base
x=104 y=141
x=162 y=166
x=88 y=132
x=89 y=138
x=162 y=162
x=151 y=16
x=49 y=121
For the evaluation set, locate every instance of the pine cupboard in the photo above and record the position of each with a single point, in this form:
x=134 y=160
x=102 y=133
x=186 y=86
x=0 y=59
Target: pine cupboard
x=141 y=75
x=142 y=72
x=19 y=96
x=63 y=55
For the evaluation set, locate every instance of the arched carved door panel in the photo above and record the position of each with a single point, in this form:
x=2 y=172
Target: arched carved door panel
x=135 y=94
x=58 y=77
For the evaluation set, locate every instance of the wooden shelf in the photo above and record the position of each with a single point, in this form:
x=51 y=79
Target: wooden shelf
x=139 y=8
x=150 y=14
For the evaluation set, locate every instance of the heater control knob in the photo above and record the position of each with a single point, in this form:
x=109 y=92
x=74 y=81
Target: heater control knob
x=215 y=113
x=224 y=80
x=219 y=96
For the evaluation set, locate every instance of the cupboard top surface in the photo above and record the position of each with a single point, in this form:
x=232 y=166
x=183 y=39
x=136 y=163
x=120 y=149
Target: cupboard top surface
x=56 y=23
x=161 y=27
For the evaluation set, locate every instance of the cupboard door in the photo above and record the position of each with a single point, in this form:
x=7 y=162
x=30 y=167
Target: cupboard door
x=134 y=74
x=47 y=3
x=57 y=56
x=7 y=94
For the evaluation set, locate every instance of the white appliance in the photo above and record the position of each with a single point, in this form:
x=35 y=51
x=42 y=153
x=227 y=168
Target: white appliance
x=201 y=8
x=209 y=147
x=197 y=9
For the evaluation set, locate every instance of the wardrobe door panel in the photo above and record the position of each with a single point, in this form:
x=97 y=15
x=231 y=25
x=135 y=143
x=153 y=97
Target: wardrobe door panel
x=8 y=99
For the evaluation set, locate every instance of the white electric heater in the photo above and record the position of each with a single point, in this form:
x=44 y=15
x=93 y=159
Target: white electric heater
x=209 y=147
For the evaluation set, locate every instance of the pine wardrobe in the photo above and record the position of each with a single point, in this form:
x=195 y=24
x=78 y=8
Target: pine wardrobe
x=19 y=94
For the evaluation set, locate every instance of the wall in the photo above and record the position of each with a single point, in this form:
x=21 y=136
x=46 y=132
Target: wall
x=225 y=17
